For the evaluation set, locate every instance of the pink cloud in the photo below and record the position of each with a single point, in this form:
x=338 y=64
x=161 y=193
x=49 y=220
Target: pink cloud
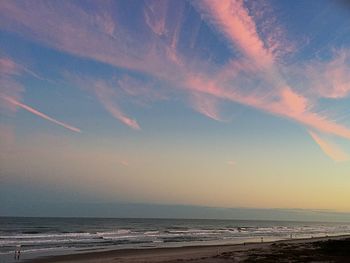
x=9 y=86
x=231 y=162
x=274 y=36
x=234 y=21
x=333 y=151
x=106 y=24
x=155 y=16
x=96 y=36
x=330 y=79
x=293 y=102
x=9 y=67
x=254 y=80
x=207 y=105
x=322 y=124
x=79 y=33
x=142 y=92
x=106 y=96
x=124 y=162
x=38 y=113
x=11 y=89
x=290 y=105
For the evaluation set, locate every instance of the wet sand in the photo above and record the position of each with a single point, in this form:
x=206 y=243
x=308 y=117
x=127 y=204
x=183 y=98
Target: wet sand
x=325 y=249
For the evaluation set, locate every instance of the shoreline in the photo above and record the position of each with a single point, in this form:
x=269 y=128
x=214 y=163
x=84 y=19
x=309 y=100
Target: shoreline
x=201 y=253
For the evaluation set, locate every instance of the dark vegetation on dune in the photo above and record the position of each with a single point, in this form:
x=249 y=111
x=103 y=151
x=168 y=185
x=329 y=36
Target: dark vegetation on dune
x=321 y=251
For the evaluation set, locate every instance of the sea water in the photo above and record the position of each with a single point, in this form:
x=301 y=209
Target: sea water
x=53 y=236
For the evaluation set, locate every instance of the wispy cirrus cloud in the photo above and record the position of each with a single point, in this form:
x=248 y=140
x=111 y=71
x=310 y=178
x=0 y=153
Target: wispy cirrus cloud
x=106 y=96
x=256 y=77
x=9 y=67
x=9 y=85
x=155 y=16
x=206 y=105
x=38 y=113
x=289 y=105
x=329 y=79
x=87 y=34
x=234 y=21
x=274 y=35
x=11 y=91
x=142 y=92
x=333 y=151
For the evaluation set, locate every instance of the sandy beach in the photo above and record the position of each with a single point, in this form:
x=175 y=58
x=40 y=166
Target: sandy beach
x=325 y=249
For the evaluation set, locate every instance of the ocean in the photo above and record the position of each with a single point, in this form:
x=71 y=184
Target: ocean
x=54 y=236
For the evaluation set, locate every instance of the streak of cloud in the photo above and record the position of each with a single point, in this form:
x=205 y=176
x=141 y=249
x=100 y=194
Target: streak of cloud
x=256 y=78
x=105 y=94
x=333 y=151
x=9 y=85
x=8 y=66
x=233 y=19
x=330 y=79
x=284 y=107
x=206 y=105
x=38 y=113
x=235 y=23
x=140 y=92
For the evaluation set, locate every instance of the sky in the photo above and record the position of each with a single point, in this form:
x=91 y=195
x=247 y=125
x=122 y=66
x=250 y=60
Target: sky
x=224 y=103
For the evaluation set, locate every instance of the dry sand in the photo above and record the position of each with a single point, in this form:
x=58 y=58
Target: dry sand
x=326 y=249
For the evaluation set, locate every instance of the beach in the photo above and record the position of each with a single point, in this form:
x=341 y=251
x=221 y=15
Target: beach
x=57 y=236
x=322 y=249
x=155 y=240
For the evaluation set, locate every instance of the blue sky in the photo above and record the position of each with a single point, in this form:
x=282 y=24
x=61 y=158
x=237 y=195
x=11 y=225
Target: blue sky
x=229 y=104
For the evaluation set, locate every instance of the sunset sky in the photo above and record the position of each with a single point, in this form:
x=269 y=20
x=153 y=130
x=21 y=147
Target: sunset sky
x=210 y=103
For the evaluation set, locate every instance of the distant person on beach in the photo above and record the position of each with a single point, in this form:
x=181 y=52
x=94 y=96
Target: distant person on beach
x=18 y=252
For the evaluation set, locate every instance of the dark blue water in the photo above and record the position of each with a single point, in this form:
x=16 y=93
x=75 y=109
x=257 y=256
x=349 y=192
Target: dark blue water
x=46 y=236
